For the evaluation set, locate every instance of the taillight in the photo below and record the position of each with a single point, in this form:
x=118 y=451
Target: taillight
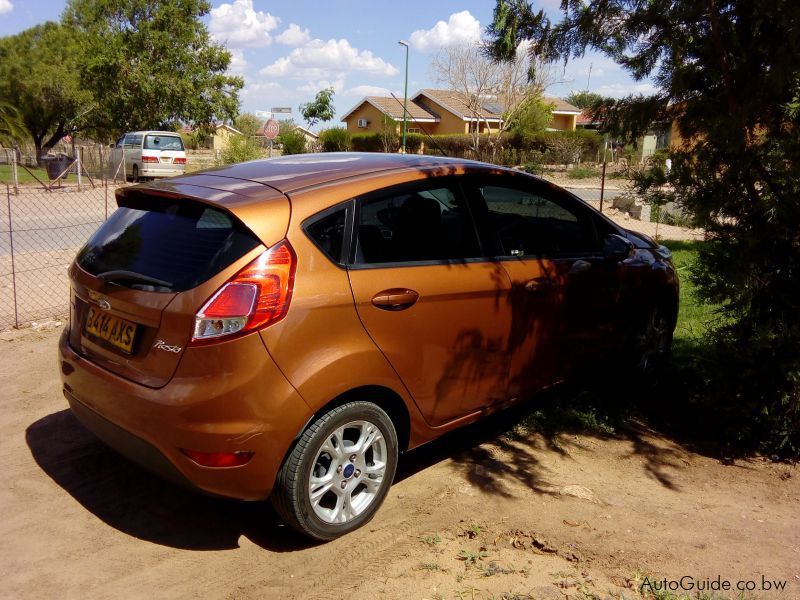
x=149 y=159
x=179 y=161
x=219 y=460
x=254 y=298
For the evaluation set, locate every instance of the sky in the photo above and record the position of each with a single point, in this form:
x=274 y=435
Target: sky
x=287 y=51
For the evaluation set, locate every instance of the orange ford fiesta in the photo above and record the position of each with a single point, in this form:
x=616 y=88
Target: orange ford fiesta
x=285 y=328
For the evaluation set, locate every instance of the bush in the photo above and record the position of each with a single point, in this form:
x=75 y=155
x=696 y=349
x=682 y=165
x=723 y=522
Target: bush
x=240 y=149
x=367 y=142
x=335 y=140
x=582 y=172
x=293 y=141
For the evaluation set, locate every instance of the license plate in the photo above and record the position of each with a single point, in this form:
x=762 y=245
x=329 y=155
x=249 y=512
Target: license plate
x=166 y=160
x=117 y=332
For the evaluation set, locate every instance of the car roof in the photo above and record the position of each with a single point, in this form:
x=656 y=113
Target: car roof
x=291 y=173
x=146 y=131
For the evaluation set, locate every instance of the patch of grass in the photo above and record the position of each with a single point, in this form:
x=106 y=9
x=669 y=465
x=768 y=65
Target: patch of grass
x=694 y=317
x=473 y=531
x=431 y=540
x=582 y=172
x=471 y=558
x=22 y=175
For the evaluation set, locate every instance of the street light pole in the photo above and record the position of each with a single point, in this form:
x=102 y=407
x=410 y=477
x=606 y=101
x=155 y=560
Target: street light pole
x=405 y=98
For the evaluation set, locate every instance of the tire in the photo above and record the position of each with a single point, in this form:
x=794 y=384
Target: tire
x=135 y=174
x=349 y=484
x=651 y=341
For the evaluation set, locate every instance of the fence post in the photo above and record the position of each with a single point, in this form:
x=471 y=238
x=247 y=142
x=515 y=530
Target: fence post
x=13 y=266
x=78 y=163
x=602 y=186
x=14 y=176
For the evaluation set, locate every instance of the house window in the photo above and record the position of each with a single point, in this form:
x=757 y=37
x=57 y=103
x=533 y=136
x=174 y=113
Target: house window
x=413 y=130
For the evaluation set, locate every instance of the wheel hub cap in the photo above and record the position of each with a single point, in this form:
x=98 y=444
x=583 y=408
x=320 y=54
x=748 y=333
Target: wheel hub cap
x=348 y=472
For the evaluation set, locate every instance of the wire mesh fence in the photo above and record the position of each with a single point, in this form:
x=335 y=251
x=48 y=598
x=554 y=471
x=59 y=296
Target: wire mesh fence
x=42 y=230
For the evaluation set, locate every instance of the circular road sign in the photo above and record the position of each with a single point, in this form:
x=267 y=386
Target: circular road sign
x=271 y=129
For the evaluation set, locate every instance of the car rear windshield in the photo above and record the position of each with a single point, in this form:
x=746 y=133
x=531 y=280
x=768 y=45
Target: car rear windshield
x=154 y=141
x=163 y=245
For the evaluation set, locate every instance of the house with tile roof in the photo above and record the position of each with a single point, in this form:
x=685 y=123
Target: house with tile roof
x=444 y=112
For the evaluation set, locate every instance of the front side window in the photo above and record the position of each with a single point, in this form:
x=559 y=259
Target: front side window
x=528 y=221
x=415 y=225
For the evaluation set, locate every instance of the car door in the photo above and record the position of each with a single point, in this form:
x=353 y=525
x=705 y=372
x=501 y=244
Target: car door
x=564 y=291
x=434 y=306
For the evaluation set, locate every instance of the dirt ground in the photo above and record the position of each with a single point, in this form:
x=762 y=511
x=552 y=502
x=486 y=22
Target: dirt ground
x=476 y=515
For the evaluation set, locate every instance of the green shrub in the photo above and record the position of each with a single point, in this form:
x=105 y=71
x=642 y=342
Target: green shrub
x=335 y=140
x=240 y=149
x=293 y=141
x=366 y=142
x=582 y=172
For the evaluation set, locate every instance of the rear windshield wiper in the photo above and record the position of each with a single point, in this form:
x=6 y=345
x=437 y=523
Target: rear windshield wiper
x=122 y=275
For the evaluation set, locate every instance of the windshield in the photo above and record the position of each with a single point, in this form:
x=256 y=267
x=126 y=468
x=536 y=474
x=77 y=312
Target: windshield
x=154 y=141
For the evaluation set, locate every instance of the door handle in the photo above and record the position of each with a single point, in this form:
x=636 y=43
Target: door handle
x=395 y=299
x=538 y=284
x=579 y=266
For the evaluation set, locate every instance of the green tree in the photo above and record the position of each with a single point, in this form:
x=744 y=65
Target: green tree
x=319 y=110
x=293 y=140
x=151 y=63
x=248 y=124
x=39 y=81
x=12 y=130
x=390 y=138
x=336 y=139
x=584 y=99
x=240 y=148
x=728 y=76
x=534 y=115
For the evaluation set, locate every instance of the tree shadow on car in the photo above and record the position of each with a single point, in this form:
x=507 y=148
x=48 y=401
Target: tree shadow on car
x=142 y=505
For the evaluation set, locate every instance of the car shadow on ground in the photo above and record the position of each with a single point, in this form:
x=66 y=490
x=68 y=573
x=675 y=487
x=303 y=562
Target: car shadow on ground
x=141 y=505
x=138 y=503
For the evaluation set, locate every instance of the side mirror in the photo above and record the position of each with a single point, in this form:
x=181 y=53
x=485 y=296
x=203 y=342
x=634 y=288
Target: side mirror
x=617 y=248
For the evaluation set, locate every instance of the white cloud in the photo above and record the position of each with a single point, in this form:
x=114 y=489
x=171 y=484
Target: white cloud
x=460 y=27
x=238 y=64
x=264 y=92
x=318 y=59
x=239 y=25
x=312 y=87
x=294 y=36
x=618 y=90
x=367 y=90
x=6 y=6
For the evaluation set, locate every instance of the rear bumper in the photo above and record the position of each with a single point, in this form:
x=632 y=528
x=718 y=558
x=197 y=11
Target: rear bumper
x=224 y=398
x=161 y=172
x=136 y=449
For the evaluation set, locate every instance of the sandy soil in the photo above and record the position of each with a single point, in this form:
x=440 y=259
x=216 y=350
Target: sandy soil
x=473 y=516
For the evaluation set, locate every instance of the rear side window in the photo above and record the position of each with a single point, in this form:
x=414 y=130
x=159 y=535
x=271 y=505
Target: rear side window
x=165 y=246
x=415 y=225
x=162 y=142
x=327 y=233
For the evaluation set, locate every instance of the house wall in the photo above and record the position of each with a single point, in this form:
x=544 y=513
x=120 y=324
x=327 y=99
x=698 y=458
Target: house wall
x=368 y=112
x=449 y=122
x=220 y=139
x=564 y=122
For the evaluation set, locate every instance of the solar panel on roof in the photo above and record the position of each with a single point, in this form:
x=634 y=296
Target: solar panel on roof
x=493 y=107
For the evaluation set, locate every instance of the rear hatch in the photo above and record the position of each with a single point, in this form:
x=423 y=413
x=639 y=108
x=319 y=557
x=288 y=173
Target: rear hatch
x=163 y=152
x=139 y=281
